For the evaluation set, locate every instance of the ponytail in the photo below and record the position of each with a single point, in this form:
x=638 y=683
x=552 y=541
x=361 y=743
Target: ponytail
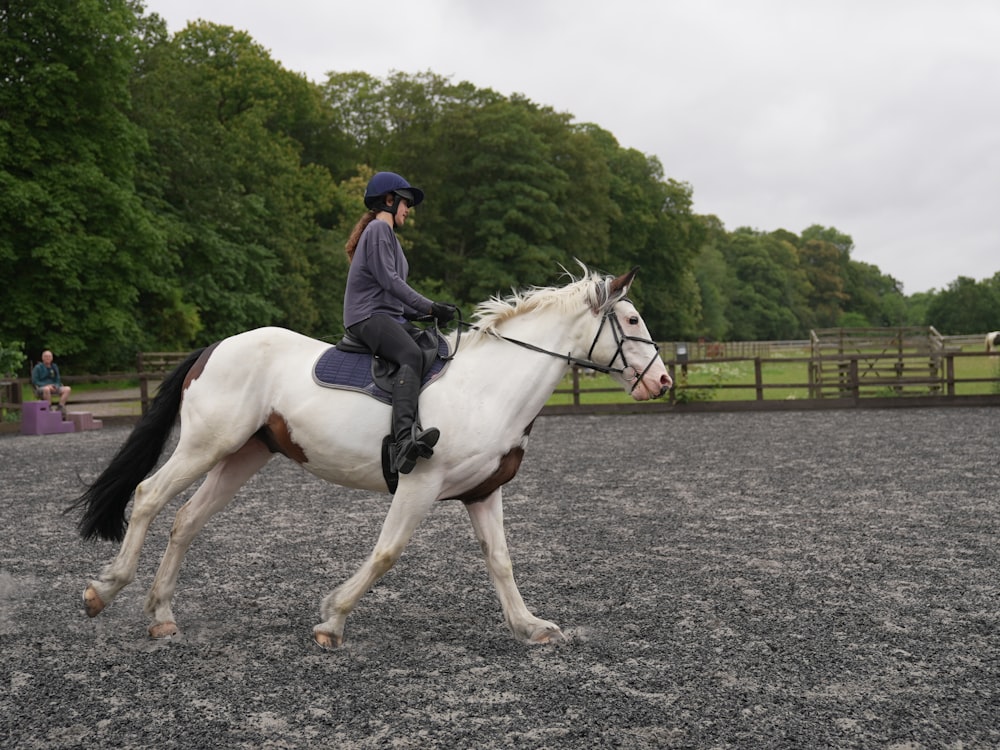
x=352 y=241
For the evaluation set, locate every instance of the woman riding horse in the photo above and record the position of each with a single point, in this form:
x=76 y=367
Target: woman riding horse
x=379 y=304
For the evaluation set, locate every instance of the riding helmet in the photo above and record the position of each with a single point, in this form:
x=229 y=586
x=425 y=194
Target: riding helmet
x=383 y=183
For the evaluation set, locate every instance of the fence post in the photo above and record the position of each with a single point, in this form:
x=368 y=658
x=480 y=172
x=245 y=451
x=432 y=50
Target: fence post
x=758 y=378
x=950 y=369
x=576 y=385
x=854 y=382
x=143 y=384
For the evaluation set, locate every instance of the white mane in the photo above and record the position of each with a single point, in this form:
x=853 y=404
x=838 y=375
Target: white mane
x=585 y=291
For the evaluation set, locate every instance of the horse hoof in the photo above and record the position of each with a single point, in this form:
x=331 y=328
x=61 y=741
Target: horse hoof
x=92 y=602
x=326 y=641
x=163 y=630
x=548 y=635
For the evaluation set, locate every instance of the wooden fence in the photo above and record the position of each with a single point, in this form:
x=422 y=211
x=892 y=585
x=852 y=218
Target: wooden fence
x=860 y=380
x=151 y=368
x=858 y=383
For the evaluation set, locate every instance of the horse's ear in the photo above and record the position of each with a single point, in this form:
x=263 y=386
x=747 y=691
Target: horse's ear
x=613 y=290
x=618 y=288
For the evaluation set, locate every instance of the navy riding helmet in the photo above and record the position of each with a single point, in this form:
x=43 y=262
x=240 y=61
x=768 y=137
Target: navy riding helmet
x=383 y=183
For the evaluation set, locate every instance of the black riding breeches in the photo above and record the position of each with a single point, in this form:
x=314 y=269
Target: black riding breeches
x=391 y=340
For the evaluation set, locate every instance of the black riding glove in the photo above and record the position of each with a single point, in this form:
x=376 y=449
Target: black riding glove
x=443 y=312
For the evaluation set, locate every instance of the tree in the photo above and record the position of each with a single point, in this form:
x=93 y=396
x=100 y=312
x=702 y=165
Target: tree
x=242 y=205
x=874 y=296
x=825 y=265
x=654 y=228
x=759 y=289
x=73 y=231
x=711 y=275
x=508 y=197
x=966 y=306
x=916 y=306
x=514 y=192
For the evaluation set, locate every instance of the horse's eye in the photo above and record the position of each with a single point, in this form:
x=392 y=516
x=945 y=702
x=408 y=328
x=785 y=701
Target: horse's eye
x=634 y=320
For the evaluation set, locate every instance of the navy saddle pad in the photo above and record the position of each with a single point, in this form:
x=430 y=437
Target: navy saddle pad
x=352 y=371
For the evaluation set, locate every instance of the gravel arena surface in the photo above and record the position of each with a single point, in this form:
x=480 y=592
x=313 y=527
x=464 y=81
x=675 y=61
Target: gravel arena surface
x=732 y=580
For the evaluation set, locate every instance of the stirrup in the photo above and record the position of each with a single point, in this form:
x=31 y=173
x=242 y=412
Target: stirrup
x=418 y=444
x=403 y=456
x=400 y=460
x=424 y=440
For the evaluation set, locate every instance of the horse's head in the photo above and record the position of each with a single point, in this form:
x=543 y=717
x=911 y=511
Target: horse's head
x=624 y=342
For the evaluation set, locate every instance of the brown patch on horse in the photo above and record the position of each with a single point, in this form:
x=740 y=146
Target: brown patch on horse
x=278 y=438
x=199 y=366
x=506 y=471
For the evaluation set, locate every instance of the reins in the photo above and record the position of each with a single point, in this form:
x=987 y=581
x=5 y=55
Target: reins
x=618 y=332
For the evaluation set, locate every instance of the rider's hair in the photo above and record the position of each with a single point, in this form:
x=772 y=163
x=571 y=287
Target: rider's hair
x=352 y=241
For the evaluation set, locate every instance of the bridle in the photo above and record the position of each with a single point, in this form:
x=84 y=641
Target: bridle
x=620 y=337
x=627 y=371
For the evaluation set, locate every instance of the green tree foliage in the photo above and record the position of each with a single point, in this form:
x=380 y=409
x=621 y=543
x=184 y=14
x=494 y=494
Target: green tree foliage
x=966 y=306
x=873 y=298
x=757 y=279
x=916 y=306
x=77 y=246
x=761 y=288
x=654 y=228
x=242 y=205
x=507 y=199
x=825 y=266
x=514 y=191
x=711 y=275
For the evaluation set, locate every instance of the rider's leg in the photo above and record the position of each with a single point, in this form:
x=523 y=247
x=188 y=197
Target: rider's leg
x=392 y=341
x=410 y=441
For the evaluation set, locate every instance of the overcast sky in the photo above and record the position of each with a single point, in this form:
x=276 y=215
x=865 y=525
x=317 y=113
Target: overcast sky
x=878 y=117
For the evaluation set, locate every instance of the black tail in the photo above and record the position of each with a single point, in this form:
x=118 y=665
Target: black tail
x=105 y=500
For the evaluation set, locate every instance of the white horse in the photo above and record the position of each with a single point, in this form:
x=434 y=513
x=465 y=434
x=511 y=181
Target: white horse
x=241 y=400
x=993 y=342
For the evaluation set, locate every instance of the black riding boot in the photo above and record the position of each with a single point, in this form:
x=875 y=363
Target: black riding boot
x=410 y=441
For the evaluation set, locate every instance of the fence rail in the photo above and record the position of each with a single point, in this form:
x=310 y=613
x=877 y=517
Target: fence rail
x=715 y=350
x=151 y=368
x=862 y=380
x=748 y=349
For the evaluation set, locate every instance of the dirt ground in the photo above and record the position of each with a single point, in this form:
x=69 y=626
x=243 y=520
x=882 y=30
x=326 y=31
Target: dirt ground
x=736 y=580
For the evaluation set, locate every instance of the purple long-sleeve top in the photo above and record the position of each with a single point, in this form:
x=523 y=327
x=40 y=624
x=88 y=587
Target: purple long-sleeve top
x=376 y=281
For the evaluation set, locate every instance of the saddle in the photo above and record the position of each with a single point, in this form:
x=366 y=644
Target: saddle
x=351 y=365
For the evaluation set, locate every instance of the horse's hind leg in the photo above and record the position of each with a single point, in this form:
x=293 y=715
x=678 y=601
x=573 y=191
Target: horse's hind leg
x=214 y=494
x=176 y=475
x=487 y=522
x=408 y=509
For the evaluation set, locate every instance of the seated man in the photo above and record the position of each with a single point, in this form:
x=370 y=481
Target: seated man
x=46 y=381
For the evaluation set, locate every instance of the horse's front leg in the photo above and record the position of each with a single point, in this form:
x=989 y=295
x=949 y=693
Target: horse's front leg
x=410 y=505
x=487 y=521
